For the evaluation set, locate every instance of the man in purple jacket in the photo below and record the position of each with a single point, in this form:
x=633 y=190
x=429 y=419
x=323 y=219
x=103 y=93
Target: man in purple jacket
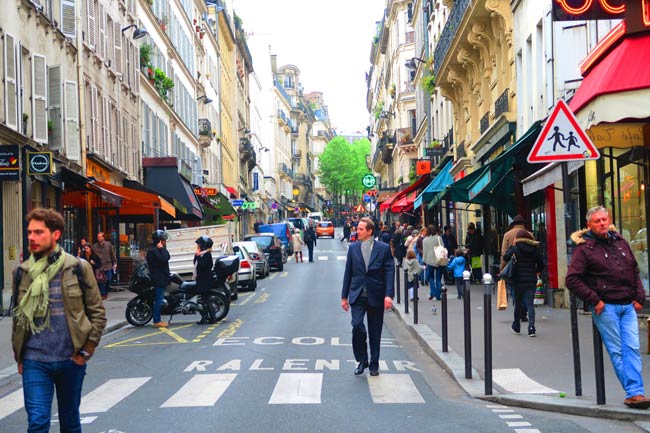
x=604 y=273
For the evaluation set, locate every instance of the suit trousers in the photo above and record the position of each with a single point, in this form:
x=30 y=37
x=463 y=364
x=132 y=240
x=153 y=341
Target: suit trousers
x=375 y=316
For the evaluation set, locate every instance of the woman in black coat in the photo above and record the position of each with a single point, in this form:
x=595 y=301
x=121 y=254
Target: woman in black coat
x=204 y=280
x=529 y=263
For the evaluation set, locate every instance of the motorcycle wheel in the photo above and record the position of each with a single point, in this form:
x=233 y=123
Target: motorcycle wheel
x=221 y=305
x=139 y=313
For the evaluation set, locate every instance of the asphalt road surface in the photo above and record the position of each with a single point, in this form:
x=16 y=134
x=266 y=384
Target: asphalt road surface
x=282 y=362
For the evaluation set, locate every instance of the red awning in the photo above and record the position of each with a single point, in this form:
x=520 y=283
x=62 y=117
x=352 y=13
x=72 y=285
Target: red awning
x=616 y=72
x=397 y=196
x=405 y=204
x=232 y=191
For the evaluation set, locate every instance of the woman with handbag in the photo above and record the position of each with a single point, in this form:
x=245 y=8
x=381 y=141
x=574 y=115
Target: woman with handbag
x=529 y=263
x=91 y=257
x=436 y=259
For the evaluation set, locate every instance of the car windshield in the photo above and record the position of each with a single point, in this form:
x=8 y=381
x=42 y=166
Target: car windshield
x=324 y=224
x=263 y=242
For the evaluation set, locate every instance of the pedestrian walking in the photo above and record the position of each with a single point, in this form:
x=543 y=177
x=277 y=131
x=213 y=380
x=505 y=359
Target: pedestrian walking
x=605 y=274
x=80 y=249
x=367 y=291
x=106 y=252
x=457 y=267
x=297 y=243
x=310 y=241
x=397 y=245
x=58 y=322
x=204 y=280
x=434 y=270
x=529 y=264
x=158 y=263
x=353 y=234
x=346 y=229
x=96 y=263
x=413 y=269
x=474 y=245
x=419 y=252
x=518 y=223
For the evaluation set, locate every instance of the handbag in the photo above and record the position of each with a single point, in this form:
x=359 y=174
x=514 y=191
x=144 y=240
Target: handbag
x=476 y=262
x=502 y=297
x=509 y=271
x=100 y=276
x=441 y=253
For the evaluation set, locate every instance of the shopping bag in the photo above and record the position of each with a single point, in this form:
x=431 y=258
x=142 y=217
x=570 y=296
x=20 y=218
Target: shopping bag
x=476 y=262
x=539 y=293
x=502 y=297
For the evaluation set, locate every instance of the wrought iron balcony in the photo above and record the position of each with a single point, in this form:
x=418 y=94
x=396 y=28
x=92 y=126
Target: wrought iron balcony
x=501 y=104
x=449 y=34
x=485 y=122
x=285 y=170
x=205 y=132
x=405 y=136
x=297 y=154
x=252 y=160
x=245 y=148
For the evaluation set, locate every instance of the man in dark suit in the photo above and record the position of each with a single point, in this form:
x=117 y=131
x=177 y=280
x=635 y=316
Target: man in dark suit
x=368 y=289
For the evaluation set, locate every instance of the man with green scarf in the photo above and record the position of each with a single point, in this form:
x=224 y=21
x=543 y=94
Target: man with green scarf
x=58 y=322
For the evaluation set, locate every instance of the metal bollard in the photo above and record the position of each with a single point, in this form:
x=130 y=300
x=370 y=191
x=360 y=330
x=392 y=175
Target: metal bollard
x=487 y=331
x=599 y=366
x=398 y=276
x=406 y=291
x=467 y=321
x=577 y=374
x=443 y=311
x=416 y=293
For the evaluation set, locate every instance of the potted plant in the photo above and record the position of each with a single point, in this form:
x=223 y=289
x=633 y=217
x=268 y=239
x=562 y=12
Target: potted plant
x=428 y=83
x=400 y=179
x=393 y=90
x=145 y=54
x=50 y=126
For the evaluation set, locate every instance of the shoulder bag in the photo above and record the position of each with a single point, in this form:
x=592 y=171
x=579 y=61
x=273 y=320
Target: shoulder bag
x=441 y=253
x=509 y=271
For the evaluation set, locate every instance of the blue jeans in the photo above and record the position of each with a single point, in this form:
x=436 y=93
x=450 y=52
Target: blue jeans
x=157 y=303
x=104 y=287
x=39 y=381
x=435 y=281
x=460 y=286
x=619 y=330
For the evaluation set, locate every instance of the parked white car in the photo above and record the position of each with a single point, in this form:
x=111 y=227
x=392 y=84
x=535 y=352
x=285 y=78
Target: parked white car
x=262 y=267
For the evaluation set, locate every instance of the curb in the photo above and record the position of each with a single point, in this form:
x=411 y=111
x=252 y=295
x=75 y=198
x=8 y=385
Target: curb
x=454 y=364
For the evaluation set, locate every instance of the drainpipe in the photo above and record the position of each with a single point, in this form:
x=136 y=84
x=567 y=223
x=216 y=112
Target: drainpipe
x=425 y=25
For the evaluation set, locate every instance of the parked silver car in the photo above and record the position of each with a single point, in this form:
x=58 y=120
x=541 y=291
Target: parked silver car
x=246 y=277
x=256 y=255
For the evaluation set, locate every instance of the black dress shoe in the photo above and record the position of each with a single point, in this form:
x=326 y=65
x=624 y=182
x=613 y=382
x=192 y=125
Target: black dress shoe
x=360 y=368
x=374 y=372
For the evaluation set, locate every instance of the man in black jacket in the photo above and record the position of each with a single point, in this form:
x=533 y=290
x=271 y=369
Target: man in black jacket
x=158 y=262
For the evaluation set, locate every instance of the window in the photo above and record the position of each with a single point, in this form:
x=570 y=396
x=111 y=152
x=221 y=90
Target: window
x=54 y=97
x=11 y=87
x=39 y=98
x=73 y=148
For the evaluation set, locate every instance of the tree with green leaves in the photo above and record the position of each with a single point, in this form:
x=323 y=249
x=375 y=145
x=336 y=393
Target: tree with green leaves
x=342 y=166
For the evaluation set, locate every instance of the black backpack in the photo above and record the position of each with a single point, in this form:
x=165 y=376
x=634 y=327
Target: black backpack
x=385 y=237
x=308 y=236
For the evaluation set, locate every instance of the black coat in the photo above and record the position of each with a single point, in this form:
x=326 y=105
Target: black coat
x=94 y=258
x=203 y=265
x=158 y=263
x=529 y=263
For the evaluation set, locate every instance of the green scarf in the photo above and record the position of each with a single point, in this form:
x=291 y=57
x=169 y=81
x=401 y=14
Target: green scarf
x=33 y=311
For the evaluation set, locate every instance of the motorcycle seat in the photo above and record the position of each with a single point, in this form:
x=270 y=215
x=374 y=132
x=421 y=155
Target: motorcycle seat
x=188 y=285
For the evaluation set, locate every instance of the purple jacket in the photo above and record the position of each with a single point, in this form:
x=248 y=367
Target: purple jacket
x=604 y=270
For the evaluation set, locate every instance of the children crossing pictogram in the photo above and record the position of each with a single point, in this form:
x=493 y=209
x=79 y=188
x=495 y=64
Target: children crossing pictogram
x=562 y=139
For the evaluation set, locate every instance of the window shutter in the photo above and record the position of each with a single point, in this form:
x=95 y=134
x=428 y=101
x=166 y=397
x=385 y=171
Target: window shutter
x=39 y=98
x=73 y=150
x=11 y=88
x=68 y=14
x=94 y=119
x=117 y=39
x=136 y=69
x=105 y=149
x=55 y=136
x=101 y=18
x=90 y=23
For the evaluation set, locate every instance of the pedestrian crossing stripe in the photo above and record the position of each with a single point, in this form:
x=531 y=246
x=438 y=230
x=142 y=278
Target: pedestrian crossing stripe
x=341 y=258
x=323 y=258
x=205 y=390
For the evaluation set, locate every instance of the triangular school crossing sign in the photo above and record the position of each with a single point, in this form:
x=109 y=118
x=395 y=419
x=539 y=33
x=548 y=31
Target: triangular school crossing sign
x=562 y=139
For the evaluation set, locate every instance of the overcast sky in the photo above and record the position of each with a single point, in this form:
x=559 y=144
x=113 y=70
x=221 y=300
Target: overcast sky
x=329 y=41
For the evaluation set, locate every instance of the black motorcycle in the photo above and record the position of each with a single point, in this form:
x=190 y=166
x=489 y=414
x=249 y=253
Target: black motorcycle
x=180 y=295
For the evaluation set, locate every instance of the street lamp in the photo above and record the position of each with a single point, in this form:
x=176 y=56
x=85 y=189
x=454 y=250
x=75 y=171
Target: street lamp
x=205 y=98
x=410 y=64
x=138 y=32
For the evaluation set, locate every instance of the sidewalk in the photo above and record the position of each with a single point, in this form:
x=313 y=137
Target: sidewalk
x=546 y=361
x=115 y=306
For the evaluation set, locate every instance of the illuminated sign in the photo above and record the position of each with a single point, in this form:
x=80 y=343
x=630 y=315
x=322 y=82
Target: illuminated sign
x=205 y=191
x=635 y=12
x=39 y=163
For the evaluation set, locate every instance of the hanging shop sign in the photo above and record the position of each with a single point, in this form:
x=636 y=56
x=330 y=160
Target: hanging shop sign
x=636 y=13
x=97 y=171
x=205 y=191
x=39 y=163
x=245 y=205
x=9 y=162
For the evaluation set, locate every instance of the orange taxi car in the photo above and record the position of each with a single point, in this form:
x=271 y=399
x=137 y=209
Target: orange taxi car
x=325 y=228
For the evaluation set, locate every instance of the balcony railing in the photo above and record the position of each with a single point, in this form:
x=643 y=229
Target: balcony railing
x=297 y=154
x=405 y=136
x=460 y=150
x=286 y=170
x=282 y=91
x=501 y=104
x=282 y=117
x=485 y=122
x=449 y=34
x=205 y=127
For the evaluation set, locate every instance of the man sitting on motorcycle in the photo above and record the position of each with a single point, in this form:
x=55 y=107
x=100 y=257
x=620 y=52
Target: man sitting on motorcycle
x=204 y=279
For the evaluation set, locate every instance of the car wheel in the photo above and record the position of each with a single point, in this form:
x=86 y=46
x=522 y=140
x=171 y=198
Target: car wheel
x=252 y=284
x=281 y=267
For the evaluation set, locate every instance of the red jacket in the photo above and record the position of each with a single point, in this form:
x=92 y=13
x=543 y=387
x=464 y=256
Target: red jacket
x=604 y=270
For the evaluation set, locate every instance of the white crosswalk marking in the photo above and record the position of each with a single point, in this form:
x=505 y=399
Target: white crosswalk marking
x=518 y=424
x=323 y=258
x=11 y=403
x=341 y=258
x=394 y=388
x=109 y=394
x=201 y=390
x=526 y=430
x=514 y=380
x=510 y=416
x=297 y=388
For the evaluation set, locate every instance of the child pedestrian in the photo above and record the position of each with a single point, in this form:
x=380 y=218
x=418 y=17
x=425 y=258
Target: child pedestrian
x=353 y=234
x=413 y=269
x=457 y=266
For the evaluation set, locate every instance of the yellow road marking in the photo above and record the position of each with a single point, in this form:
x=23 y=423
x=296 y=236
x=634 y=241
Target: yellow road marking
x=284 y=274
x=261 y=298
x=272 y=276
x=174 y=335
x=246 y=298
x=231 y=329
x=205 y=333
x=159 y=331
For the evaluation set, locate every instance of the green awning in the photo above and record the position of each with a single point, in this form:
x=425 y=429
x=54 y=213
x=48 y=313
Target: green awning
x=439 y=183
x=494 y=183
